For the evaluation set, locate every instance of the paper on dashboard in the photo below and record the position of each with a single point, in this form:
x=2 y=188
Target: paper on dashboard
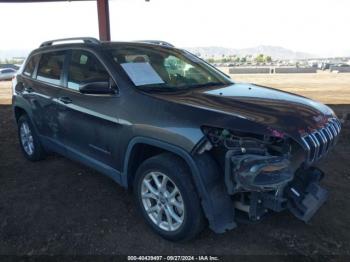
x=142 y=74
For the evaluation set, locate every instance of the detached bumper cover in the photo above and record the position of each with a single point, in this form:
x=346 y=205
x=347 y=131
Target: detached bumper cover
x=305 y=196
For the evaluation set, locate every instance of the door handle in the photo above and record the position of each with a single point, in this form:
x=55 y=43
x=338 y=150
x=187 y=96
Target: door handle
x=65 y=100
x=28 y=89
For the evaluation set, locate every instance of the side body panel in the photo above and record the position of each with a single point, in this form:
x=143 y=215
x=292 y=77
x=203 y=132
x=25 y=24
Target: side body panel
x=41 y=100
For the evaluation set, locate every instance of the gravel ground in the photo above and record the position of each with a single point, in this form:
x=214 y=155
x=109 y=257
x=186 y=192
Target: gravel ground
x=57 y=206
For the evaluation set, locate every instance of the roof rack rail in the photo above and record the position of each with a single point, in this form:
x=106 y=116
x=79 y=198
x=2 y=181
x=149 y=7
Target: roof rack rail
x=156 y=42
x=87 y=40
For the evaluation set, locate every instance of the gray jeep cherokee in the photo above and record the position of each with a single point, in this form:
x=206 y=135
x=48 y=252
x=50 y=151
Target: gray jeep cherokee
x=194 y=146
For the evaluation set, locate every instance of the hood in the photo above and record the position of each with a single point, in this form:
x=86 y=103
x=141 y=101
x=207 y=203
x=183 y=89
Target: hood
x=272 y=108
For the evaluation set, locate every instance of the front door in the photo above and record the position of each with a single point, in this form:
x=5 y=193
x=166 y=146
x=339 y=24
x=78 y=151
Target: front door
x=88 y=123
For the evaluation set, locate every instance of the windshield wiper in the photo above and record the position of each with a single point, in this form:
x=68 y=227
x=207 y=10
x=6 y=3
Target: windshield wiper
x=210 y=84
x=162 y=88
x=159 y=88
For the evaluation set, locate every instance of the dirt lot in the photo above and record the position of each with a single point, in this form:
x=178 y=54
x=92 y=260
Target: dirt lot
x=60 y=207
x=5 y=92
x=329 y=88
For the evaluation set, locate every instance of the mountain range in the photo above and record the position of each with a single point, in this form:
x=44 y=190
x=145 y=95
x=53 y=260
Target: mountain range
x=276 y=52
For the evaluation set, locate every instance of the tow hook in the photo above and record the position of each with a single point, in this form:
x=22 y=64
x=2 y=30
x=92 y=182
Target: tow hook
x=304 y=194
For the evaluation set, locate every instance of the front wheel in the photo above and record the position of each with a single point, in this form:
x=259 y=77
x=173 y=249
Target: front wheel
x=167 y=198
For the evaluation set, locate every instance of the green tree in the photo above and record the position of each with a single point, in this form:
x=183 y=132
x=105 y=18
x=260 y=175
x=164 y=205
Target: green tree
x=260 y=58
x=211 y=60
x=225 y=60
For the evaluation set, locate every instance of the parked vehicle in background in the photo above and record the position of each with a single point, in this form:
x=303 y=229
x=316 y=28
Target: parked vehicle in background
x=7 y=73
x=342 y=65
x=326 y=66
x=193 y=145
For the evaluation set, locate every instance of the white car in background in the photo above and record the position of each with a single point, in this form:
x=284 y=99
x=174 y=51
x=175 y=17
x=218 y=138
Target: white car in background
x=7 y=73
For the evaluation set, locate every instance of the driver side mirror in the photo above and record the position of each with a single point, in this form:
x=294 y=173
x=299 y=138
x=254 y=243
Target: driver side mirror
x=98 y=88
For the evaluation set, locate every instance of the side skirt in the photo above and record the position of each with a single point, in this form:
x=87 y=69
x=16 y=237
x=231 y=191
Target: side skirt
x=57 y=147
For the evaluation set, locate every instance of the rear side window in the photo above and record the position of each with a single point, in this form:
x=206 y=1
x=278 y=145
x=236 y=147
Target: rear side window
x=50 y=67
x=84 y=68
x=29 y=69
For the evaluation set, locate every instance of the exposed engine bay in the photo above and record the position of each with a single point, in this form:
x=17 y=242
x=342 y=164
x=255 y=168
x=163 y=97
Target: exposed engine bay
x=265 y=173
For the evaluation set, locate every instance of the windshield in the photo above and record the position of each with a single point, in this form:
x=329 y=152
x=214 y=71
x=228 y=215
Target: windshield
x=163 y=69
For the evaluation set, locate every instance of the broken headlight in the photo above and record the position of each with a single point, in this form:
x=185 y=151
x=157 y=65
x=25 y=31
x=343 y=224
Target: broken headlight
x=252 y=162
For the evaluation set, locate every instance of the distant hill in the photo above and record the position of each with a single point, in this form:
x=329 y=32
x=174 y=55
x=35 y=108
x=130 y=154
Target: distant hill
x=276 y=52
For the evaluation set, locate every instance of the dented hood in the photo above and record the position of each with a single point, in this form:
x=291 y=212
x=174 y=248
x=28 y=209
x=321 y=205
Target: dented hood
x=270 y=107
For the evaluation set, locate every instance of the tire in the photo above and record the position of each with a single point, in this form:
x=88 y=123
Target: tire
x=33 y=150
x=187 y=211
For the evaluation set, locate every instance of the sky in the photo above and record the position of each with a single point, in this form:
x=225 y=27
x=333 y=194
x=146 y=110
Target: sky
x=319 y=27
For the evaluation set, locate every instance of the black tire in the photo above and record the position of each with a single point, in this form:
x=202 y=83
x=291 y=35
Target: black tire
x=175 y=169
x=38 y=151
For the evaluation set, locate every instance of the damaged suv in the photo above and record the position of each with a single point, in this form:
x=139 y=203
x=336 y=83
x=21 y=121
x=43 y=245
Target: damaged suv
x=194 y=146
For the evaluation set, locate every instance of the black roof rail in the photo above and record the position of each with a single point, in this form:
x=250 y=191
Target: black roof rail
x=87 y=40
x=155 y=42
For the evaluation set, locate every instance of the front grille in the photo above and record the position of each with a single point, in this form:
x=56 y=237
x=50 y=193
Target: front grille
x=319 y=142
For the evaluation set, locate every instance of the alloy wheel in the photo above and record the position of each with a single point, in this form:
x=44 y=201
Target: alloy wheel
x=162 y=201
x=27 y=138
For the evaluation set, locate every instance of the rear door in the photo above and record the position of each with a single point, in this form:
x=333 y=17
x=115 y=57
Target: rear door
x=88 y=123
x=40 y=83
x=48 y=83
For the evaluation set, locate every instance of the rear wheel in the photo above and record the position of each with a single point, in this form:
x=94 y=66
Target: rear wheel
x=29 y=140
x=167 y=198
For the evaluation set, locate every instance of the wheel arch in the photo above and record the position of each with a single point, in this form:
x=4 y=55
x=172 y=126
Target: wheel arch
x=20 y=106
x=141 y=144
x=19 y=111
x=215 y=201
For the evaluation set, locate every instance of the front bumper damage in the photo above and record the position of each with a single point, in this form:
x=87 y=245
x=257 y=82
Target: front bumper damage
x=260 y=184
x=304 y=194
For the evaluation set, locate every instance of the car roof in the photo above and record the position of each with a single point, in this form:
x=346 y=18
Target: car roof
x=153 y=44
x=96 y=41
x=135 y=44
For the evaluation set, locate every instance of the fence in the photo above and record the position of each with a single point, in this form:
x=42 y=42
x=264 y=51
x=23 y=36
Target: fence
x=339 y=69
x=249 y=70
x=272 y=70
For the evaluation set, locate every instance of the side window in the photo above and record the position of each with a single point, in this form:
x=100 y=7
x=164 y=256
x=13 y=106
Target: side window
x=29 y=69
x=50 y=67
x=84 y=68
